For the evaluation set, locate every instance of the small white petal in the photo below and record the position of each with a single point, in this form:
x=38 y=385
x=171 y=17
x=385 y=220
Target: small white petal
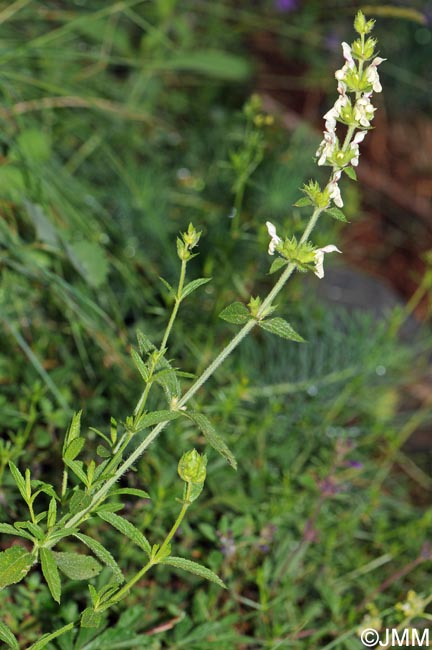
x=319 y=258
x=275 y=240
x=331 y=248
x=347 y=52
x=271 y=229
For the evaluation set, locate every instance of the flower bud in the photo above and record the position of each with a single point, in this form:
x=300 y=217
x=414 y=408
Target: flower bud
x=361 y=25
x=192 y=467
x=191 y=237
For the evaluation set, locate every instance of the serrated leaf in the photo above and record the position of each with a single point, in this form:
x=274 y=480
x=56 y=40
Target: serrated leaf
x=142 y=494
x=77 y=468
x=167 y=378
x=19 y=479
x=76 y=566
x=35 y=530
x=278 y=264
x=102 y=554
x=282 y=328
x=79 y=501
x=74 y=429
x=46 y=638
x=90 y=618
x=140 y=365
x=8 y=638
x=73 y=449
x=52 y=513
x=192 y=286
x=213 y=438
x=15 y=563
x=336 y=214
x=144 y=343
x=127 y=529
x=351 y=173
x=236 y=313
x=150 y=419
x=195 y=568
x=103 y=452
x=57 y=535
x=50 y=572
x=301 y=203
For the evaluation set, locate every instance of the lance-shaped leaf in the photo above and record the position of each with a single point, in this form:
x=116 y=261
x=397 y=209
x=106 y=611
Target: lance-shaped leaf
x=213 y=438
x=76 y=566
x=15 y=563
x=7 y=529
x=279 y=263
x=236 y=313
x=144 y=343
x=90 y=618
x=195 y=568
x=304 y=201
x=50 y=572
x=350 y=172
x=336 y=214
x=8 y=638
x=19 y=480
x=127 y=529
x=102 y=554
x=46 y=638
x=192 y=286
x=155 y=417
x=282 y=328
x=140 y=365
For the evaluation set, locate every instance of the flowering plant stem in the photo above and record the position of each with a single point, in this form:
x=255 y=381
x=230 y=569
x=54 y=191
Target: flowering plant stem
x=99 y=496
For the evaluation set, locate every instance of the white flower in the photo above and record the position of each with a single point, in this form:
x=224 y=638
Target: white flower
x=354 y=146
x=275 y=240
x=348 y=65
x=372 y=74
x=327 y=146
x=364 y=111
x=332 y=115
x=334 y=191
x=319 y=258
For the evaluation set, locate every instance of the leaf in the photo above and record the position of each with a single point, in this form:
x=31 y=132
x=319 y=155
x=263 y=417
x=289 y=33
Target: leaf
x=52 y=513
x=15 y=563
x=282 y=328
x=140 y=365
x=350 y=172
x=35 y=530
x=103 y=452
x=76 y=566
x=213 y=438
x=194 y=567
x=142 y=494
x=73 y=431
x=236 y=313
x=79 y=501
x=336 y=214
x=50 y=572
x=167 y=285
x=278 y=264
x=167 y=378
x=73 y=449
x=212 y=63
x=192 y=286
x=150 y=419
x=77 y=468
x=7 y=636
x=57 y=535
x=46 y=638
x=19 y=480
x=127 y=529
x=7 y=529
x=102 y=554
x=34 y=145
x=45 y=231
x=90 y=618
x=303 y=202
x=144 y=343
x=90 y=260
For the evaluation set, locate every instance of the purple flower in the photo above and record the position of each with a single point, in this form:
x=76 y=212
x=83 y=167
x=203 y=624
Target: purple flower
x=286 y=5
x=355 y=464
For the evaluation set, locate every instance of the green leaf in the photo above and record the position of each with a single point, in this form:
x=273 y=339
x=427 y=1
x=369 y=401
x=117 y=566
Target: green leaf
x=142 y=494
x=193 y=567
x=127 y=529
x=192 y=286
x=213 y=438
x=103 y=452
x=303 y=202
x=150 y=419
x=34 y=145
x=236 y=313
x=350 y=172
x=102 y=554
x=90 y=618
x=57 y=535
x=140 y=365
x=90 y=260
x=212 y=63
x=167 y=285
x=52 y=513
x=73 y=449
x=79 y=501
x=336 y=214
x=7 y=529
x=167 y=378
x=77 y=468
x=282 y=328
x=46 y=638
x=74 y=428
x=76 y=566
x=50 y=572
x=7 y=636
x=15 y=563
x=19 y=480
x=144 y=343
x=45 y=230
x=278 y=264
x=35 y=530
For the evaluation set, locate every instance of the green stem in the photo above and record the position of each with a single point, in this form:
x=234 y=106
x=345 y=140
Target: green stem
x=127 y=587
x=210 y=370
x=177 y=523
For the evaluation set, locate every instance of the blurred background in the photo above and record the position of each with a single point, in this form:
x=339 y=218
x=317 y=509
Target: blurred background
x=121 y=122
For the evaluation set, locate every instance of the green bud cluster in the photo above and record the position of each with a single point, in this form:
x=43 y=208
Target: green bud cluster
x=186 y=242
x=300 y=254
x=319 y=198
x=192 y=467
x=361 y=25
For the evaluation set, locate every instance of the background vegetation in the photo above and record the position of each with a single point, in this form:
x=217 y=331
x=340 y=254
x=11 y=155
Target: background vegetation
x=120 y=123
